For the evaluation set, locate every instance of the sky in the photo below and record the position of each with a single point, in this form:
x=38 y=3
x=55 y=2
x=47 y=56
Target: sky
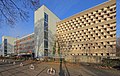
x=62 y=8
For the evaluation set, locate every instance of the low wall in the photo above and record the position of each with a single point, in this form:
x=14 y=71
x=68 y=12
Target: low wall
x=89 y=59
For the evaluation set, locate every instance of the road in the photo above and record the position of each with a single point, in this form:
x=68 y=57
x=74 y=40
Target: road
x=61 y=69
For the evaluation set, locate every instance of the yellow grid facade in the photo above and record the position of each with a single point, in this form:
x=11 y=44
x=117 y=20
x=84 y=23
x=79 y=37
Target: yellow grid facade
x=91 y=32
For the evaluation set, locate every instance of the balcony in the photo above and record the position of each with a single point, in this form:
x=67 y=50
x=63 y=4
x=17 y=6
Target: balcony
x=94 y=12
x=113 y=25
x=114 y=32
x=92 y=16
x=97 y=21
x=94 y=19
x=89 y=14
x=67 y=22
x=85 y=15
x=97 y=15
x=73 y=20
x=83 y=20
x=81 y=17
x=99 y=18
x=113 y=14
x=108 y=18
x=102 y=13
x=105 y=9
x=99 y=11
x=108 y=29
x=108 y=36
x=87 y=18
x=87 y=24
x=102 y=20
x=105 y=33
x=91 y=23
x=112 y=6
x=105 y=16
x=99 y=27
x=108 y=11
x=102 y=37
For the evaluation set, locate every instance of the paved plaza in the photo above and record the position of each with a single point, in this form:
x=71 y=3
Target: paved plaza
x=8 y=68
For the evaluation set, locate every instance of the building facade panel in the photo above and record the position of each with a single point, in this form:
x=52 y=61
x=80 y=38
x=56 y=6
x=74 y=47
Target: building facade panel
x=91 y=32
x=7 y=45
x=25 y=45
x=45 y=29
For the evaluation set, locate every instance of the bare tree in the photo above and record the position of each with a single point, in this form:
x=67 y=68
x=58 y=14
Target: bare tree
x=15 y=10
x=39 y=35
x=61 y=45
x=39 y=38
x=118 y=46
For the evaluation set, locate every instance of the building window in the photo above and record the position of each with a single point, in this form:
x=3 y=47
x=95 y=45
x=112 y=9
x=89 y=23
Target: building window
x=45 y=17
x=5 y=41
x=45 y=26
x=5 y=47
x=45 y=44
x=111 y=35
x=101 y=42
x=107 y=54
x=45 y=52
x=111 y=46
x=105 y=36
x=45 y=34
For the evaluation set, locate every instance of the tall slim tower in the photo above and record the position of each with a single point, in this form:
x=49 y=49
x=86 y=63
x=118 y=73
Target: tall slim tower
x=45 y=29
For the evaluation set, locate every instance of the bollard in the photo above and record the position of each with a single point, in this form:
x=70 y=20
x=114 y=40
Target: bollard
x=14 y=63
x=9 y=62
x=3 y=60
x=32 y=67
x=21 y=64
x=51 y=71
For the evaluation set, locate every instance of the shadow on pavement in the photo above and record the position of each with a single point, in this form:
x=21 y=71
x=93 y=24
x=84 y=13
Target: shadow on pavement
x=62 y=72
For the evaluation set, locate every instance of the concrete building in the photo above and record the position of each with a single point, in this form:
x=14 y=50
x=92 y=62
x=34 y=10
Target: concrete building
x=25 y=45
x=7 y=45
x=89 y=33
x=1 y=50
x=45 y=30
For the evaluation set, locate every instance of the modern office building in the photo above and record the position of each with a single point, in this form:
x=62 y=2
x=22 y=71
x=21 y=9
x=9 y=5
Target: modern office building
x=45 y=30
x=25 y=45
x=91 y=32
x=7 y=45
